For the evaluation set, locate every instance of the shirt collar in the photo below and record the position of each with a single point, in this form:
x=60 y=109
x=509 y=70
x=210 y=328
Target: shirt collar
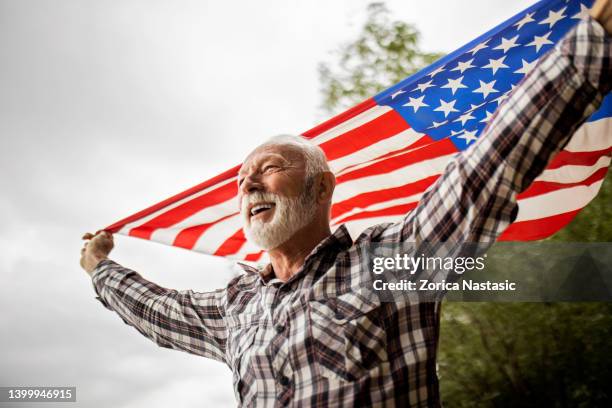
x=340 y=240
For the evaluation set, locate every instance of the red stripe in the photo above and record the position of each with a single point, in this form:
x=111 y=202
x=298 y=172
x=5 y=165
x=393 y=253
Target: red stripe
x=254 y=256
x=423 y=141
x=341 y=118
x=154 y=208
x=188 y=237
x=185 y=210
x=373 y=197
x=543 y=187
x=401 y=209
x=232 y=244
x=538 y=228
x=564 y=158
x=383 y=127
x=440 y=148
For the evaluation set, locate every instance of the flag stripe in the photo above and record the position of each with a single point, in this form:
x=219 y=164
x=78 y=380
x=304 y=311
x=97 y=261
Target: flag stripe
x=383 y=127
x=431 y=151
x=542 y=187
x=537 y=229
x=187 y=237
x=371 y=197
x=578 y=158
x=170 y=218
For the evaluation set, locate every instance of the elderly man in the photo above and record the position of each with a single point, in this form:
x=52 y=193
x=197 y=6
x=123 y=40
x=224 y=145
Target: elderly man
x=300 y=331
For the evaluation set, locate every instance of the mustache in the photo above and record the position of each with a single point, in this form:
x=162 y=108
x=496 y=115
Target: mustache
x=258 y=197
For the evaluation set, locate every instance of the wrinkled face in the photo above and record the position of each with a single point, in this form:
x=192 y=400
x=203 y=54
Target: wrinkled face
x=275 y=198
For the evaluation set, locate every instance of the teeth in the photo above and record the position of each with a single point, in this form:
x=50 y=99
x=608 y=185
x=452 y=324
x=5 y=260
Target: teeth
x=260 y=207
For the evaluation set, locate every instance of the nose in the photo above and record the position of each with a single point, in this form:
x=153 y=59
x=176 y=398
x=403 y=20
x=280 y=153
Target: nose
x=250 y=184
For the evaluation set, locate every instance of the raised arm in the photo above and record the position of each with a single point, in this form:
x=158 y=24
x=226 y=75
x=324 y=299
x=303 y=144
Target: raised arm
x=475 y=199
x=180 y=320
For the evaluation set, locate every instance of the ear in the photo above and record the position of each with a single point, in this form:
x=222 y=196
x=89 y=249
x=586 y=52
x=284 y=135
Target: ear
x=327 y=183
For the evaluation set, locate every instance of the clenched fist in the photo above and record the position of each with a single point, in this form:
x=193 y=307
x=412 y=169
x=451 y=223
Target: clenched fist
x=96 y=249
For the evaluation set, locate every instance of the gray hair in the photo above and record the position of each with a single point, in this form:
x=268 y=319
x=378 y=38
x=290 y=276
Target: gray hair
x=314 y=157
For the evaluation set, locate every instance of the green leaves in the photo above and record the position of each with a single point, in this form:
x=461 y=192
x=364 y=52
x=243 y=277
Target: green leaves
x=385 y=53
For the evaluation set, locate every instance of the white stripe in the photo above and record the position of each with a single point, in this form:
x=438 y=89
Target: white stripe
x=591 y=136
x=396 y=178
x=366 y=155
x=246 y=249
x=353 y=123
x=380 y=206
x=556 y=202
x=127 y=227
x=215 y=236
x=573 y=173
x=204 y=216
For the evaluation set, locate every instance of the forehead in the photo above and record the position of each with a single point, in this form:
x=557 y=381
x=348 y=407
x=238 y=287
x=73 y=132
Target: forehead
x=286 y=154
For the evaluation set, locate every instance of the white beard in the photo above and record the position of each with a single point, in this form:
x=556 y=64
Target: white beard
x=290 y=215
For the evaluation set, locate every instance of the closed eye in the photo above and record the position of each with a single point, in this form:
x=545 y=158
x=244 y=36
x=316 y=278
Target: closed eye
x=270 y=168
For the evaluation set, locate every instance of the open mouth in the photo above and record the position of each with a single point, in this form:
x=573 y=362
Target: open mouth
x=258 y=209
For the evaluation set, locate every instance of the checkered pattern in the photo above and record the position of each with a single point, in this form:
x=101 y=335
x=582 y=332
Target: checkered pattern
x=319 y=339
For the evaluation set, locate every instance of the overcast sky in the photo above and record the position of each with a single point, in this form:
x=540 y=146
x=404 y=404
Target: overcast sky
x=107 y=107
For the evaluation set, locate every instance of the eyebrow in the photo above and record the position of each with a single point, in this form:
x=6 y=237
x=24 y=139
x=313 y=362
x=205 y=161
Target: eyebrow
x=268 y=156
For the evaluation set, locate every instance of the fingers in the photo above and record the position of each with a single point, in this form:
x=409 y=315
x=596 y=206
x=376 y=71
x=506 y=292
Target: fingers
x=88 y=235
x=104 y=233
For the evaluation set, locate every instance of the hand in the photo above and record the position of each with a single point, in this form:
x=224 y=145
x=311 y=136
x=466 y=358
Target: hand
x=602 y=12
x=96 y=249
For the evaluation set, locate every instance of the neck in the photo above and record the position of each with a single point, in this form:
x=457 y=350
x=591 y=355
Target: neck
x=288 y=258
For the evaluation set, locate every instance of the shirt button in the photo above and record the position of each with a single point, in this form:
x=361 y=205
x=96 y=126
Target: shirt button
x=284 y=381
x=279 y=328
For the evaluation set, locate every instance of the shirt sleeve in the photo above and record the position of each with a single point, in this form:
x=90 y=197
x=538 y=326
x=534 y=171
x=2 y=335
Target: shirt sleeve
x=475 y=198
x=180 y=320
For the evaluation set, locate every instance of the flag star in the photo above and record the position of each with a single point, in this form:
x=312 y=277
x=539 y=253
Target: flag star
x=486 y=88
x=527 y=19
x=488 y=117
x=465 y=117
x=435 y=72
x=436 y=124
x=462 y=66
x=422 y=87
x=554 y=17
x=540 y=41
x=397 y=93
x=506 y=44
x=474 y=107
x=479 y=47
x=416 y=103
x=446 y=107
x=502 y=98
x=496 y=64
x=454 y=84
x=526 y=68
x=455 y=133
x=582 y=14
x=468 y=136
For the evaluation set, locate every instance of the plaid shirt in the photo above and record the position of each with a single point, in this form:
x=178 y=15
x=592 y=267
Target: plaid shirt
x=317 y=339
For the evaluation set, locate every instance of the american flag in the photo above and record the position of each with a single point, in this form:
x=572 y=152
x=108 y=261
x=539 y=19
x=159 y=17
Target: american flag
x=386 y=151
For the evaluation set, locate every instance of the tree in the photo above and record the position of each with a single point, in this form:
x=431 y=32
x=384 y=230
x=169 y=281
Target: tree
x=385 y=53
x=497 y=355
